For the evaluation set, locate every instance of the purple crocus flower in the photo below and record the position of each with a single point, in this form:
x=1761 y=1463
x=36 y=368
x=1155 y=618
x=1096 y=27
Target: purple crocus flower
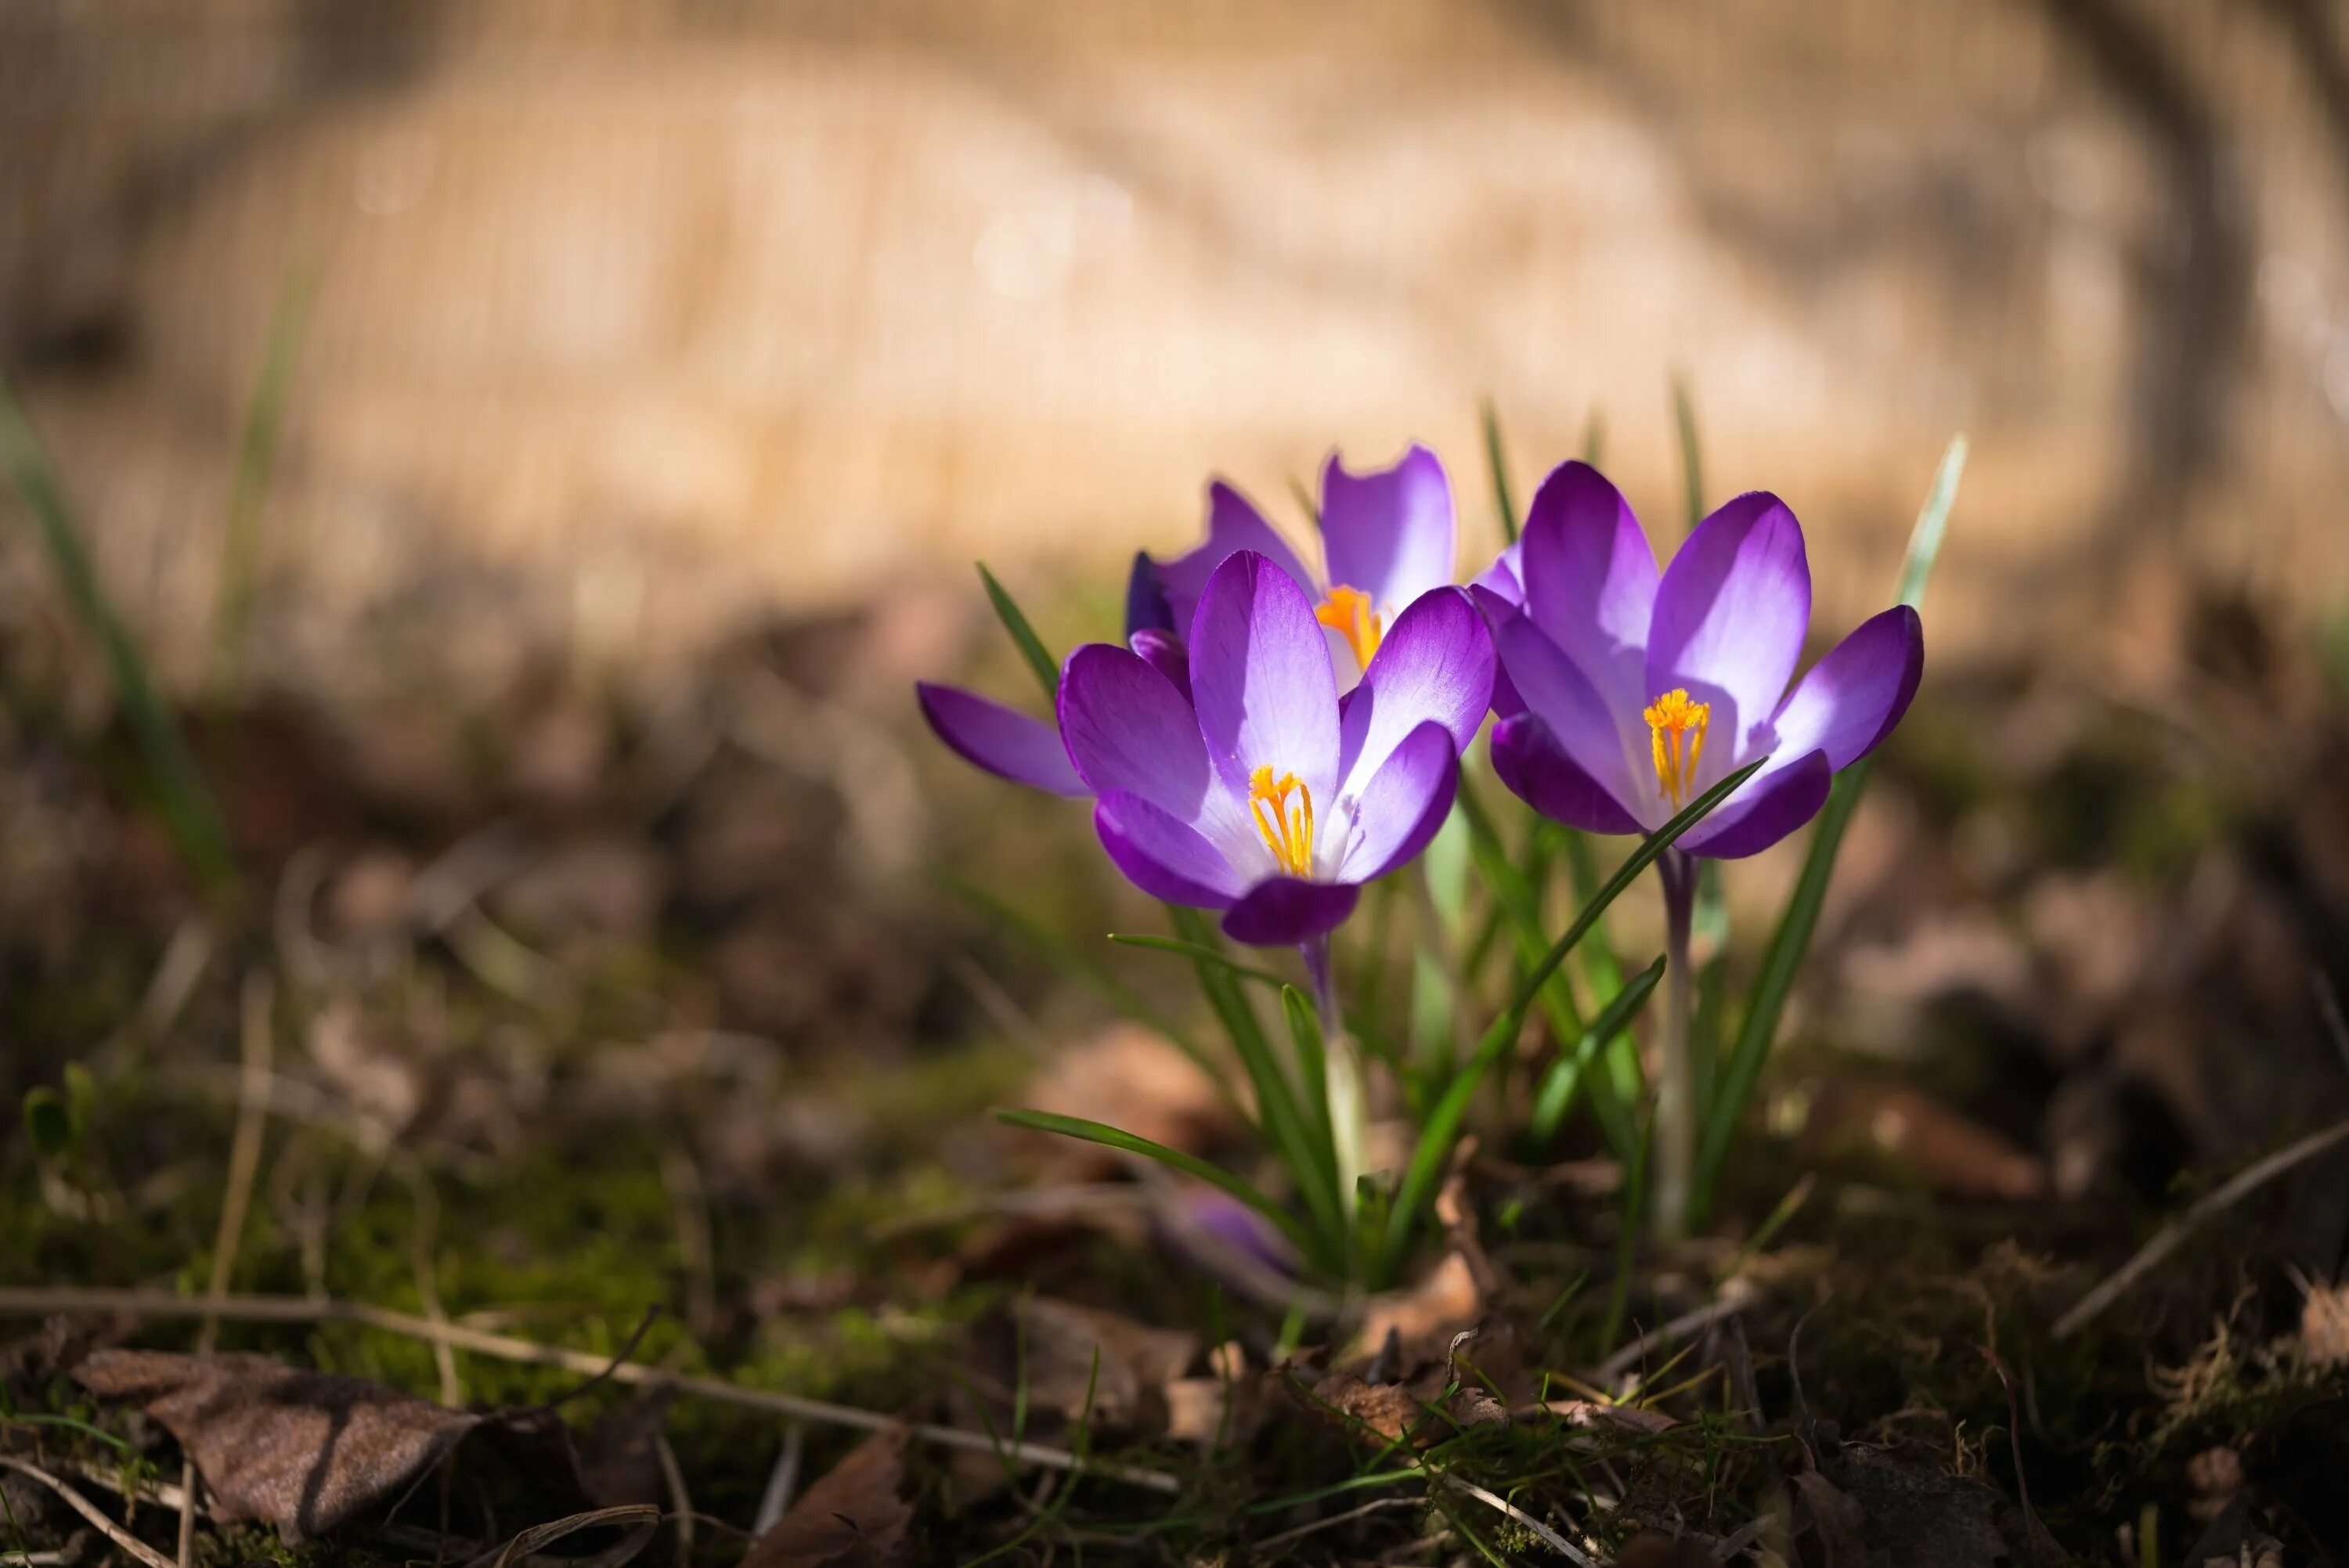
x=1387 y=537
x=1027 y=750
x=1263 y=795
x=1640 y=692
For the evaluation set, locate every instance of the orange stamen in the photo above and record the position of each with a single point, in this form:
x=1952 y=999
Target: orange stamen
x=1676 y=729
x=1349 y=612
x=1287 y=827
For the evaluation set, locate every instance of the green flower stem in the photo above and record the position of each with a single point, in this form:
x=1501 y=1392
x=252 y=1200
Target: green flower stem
x=1349 y=1119
x=1676 y=1109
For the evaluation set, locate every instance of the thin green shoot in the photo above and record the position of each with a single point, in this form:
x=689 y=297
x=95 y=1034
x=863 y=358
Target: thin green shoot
x=1023 y=635
x=1496 y=458
x=256 y=457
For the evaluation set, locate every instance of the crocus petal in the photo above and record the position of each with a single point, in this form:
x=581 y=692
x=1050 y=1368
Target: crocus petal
x=1129 y=729
x=1436 y=664
x=1771 y=806
x=1285 y=911
x=1505 y=578
x=1555 y=689
x=1537 y=769
x=1590 y=581
x=1851 y=699
x=1234 y=524
x=1162 y=855
x=1147 y=605
x=1390 y=532
x=1730 y=618
x=1261 y=679
x=1405 y=802
x=1167 y=654
x=1003 y=741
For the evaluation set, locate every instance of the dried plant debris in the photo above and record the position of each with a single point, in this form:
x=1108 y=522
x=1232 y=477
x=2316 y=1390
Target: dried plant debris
x=305 y=1451
x=851 y=1517
x=1897 y=1508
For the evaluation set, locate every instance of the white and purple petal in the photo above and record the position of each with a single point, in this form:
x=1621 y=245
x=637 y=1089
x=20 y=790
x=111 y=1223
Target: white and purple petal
x=1128 y=730
x=1165 y=654
x=1261 y=679
x=1435 y=664
x=1851 y=699
x=1161 y=854
x=1504 y=580
x=1590 y=581
x=1730 y=618
x=1285 y=911
x=1555 y=689
x=1538 y=771
x=1770 y=805
x=1402 y=805
x=1001 y=740
x=1390 y=532
x=1234 y=524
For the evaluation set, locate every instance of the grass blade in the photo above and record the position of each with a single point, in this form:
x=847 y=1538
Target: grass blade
x=1033 y=933
x=257 y=455
x=1198 y=953
x=1309 y=1158
x=1173 y=1159
x=1556 y=1090
x=1635 y=1211
x=1594 y=438
x=1691 y=458
x=1499 y=462
x=1305 y=499
x=1442 y=1125
x=1312 y=1054
x=186 y=801
x=1792 y=941
x=1031 y=646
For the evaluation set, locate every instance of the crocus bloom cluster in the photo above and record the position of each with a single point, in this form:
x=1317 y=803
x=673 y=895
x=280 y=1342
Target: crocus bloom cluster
x=1261 y=793
x=1387 y=537
x=1636 y=691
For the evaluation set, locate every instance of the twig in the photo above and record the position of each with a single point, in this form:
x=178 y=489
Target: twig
x=1376 y=1505
x=783 y=1483
x=1547 y=1536
x=256 y=1041
x=680 y=1502
x=1734 y=1298
x=2328 y=1006
x=90 y=1511
x=642 y=1519
x=2175 y=1233
x=34 y=1301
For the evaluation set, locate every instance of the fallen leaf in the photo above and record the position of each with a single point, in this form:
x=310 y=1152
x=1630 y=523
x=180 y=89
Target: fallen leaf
x=1639 y=1418
x=1087 y=1363
x=1132 y=1078
x=1654 y=1551
x=619 y=1463
x=1930 y=1141
x=1343 y=1401
x=306 y=1451
x=851 y=1517
x=1425 y=1317
x=1838 y=1523
x=2324 y=1325
x=1919 y=1515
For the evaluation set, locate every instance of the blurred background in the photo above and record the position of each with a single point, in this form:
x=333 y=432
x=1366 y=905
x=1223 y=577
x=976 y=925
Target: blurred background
x=626 y=327
x=534 y=447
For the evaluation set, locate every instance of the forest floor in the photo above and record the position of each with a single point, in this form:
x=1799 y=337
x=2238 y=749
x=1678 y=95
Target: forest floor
x=568 y=1137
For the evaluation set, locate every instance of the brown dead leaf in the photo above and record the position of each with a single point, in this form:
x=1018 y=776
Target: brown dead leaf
x=1129 y=1077
x=1839 y=1524
x=2324 y=1325
x=1063 y=1343
x=1919 y=1515
x=1343 y=1401
x=851 y=1517
x=306 y=1451
x=1933 y=1142
x=1654 y=1551
x=1638 y=1418
x=1425 y=1317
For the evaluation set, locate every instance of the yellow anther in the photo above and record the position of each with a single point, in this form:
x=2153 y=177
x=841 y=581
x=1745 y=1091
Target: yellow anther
x=1349 y=612
x=1676 y=728
x=1286 y=826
